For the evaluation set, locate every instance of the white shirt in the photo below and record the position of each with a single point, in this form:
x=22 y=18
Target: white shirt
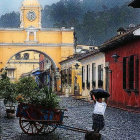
x=99 y=108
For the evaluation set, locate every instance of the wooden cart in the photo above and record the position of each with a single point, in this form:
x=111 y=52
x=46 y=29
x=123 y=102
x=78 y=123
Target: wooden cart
x=38 y=120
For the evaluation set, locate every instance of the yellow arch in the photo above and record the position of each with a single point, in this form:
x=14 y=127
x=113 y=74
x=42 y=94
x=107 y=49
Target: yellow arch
x=56 y=54
x=54 y=64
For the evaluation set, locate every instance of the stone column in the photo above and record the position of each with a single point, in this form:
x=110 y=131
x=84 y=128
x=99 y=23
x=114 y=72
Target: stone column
x=27 y=36
x=35 y=36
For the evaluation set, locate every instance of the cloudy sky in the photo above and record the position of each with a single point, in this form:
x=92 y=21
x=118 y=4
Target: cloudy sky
x=14 y=5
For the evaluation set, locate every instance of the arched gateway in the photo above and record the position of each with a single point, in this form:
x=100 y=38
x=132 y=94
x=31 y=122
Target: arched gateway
x=55 y=43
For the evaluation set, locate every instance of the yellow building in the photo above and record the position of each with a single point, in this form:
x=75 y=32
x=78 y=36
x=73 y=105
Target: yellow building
x=55 y=43
x=21 y=63
x=71 y=75
x=82 y=71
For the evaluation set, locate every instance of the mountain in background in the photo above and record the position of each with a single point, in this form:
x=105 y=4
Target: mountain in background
x=92 y=26
x=97 y=5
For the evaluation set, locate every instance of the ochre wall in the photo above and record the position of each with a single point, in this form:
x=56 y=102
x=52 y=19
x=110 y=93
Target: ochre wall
x=49 y=37
x=24 y=66
x=54 y=37
x=67 y=37
x=12 y=36
x=6 y=52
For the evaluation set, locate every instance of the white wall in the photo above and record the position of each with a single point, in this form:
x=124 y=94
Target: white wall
x=98 y=59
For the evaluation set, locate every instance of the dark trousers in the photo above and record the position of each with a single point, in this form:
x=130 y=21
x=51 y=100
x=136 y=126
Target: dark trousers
x=98 y=122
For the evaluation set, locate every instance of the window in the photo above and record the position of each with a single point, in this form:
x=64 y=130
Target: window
x=100 y=72
x=69 y=76
x=100 y=75
x=10 y=73
x=83 y=78
x=18 y=56
x=62 y=77
x=124 y=73
x=26 y=56
x=130 y=72
x=93 y=75
x=89 y=73
x=88 y=77
x=31 y=36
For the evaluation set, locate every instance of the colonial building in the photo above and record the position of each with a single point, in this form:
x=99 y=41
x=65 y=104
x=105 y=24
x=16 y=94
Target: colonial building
x=93 y=70
x=54 y=43
x=22 y=63
x=45 y=74
x=71 y=70
x=122 y=55
x=71 y=75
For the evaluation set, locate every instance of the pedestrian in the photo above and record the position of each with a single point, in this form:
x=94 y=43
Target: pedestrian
x=98 y=114
x=100 y=105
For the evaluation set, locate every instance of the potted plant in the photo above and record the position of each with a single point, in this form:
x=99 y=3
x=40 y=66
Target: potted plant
x=45 y=98
x=28 y=92
x=8 y=93
x=42 y=99
x=26 y=88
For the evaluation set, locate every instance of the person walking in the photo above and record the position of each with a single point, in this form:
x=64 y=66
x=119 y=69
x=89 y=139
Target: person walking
x=100 y=105
x=98 y=114
x=99 y=97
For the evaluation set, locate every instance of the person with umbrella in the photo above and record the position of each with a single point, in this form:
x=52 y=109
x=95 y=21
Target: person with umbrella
x=100 y=105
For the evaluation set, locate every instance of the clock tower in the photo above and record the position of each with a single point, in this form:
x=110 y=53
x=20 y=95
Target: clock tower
x=30 y=15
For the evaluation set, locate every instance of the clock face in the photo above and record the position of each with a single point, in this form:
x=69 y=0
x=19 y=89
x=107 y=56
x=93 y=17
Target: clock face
x=31 y=15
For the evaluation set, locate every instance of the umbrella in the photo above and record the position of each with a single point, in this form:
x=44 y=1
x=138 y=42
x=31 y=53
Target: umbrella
x=99 y=93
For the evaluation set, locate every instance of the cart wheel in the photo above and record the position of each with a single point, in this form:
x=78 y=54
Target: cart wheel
x=30 y=128
x=49 y=129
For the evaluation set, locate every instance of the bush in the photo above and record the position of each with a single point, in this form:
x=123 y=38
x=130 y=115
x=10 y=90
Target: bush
x=46 y=98
x=7 y=89
x=30 y=93
x=26 y=88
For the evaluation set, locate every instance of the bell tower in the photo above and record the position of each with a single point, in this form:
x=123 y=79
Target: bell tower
x=30 y=15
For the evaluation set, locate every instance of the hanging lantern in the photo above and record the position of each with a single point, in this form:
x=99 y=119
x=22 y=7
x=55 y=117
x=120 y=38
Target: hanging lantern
x=115 y=57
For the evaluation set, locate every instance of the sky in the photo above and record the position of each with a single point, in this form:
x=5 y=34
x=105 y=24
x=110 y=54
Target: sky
x=14 y=5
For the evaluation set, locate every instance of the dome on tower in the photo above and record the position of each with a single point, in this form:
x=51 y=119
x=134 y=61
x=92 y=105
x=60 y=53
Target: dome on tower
x=31 y=3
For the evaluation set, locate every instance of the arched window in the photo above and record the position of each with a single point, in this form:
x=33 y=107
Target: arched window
x=18 y=56
x=26 y=56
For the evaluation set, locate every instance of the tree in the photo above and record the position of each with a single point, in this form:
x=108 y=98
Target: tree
x=27 y=87
x=7 y=90
x=10 y=20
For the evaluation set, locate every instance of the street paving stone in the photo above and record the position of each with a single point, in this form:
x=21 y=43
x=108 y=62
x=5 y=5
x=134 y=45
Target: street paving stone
x=120 y=125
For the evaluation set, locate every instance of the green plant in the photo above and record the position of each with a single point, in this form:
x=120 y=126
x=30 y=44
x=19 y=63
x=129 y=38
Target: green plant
x=7 y=90
x=46 y=98
x=29 y=92
x=27 y=88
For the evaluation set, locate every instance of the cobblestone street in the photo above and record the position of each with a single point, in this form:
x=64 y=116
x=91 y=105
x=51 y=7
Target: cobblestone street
x=120 y=125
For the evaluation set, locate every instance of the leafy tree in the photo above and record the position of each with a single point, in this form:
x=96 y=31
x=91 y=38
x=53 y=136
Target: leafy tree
x=7 y=90
x=27 y=87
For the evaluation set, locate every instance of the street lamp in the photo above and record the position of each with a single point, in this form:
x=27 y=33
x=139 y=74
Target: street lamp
x=76 y=65
x=115 y=57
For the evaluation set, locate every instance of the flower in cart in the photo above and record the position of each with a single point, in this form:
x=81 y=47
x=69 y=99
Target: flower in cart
x=19 y=98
